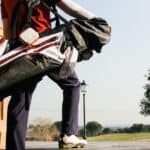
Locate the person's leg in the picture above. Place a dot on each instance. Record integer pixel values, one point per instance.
(17, 117)
(17, 121)
(71, 94)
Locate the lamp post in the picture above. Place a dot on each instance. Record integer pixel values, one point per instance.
(83, 86)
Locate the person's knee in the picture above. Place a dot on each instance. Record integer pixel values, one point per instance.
(71, 83)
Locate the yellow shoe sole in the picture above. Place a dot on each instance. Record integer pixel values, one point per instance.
(69, 146)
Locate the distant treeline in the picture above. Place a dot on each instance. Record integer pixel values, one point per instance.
(135, 128)
(45, 130)
(98, 129)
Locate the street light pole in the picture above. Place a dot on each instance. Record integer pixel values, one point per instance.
(84, 117)
(83, 90)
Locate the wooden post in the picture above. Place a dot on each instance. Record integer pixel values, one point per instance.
(3, 121)
(3, 106)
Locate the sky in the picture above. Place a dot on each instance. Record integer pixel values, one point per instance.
(115, 77)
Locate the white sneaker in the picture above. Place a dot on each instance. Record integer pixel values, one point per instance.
(72, 142)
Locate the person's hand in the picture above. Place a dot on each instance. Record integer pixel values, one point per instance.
(33, 3)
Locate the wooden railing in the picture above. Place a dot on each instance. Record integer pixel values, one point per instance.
(3, 119)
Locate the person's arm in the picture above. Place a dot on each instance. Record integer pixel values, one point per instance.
(6, 25)
(75, 10)
(6, 29)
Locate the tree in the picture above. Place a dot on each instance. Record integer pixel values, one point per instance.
(107, 130)
(136, 128)
(81, 132)
(93, 128)
(145, 102)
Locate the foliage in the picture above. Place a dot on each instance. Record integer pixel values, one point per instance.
(93, 128)
(57, 124)
(107, 130)
(45, 130)
(81, 132)
(135, 128)
(145, 102)
(42, 130)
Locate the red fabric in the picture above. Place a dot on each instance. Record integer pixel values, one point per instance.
(40, 17)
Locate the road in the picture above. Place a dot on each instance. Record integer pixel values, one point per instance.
(140, 145)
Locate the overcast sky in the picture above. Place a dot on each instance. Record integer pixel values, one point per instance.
(115, 77)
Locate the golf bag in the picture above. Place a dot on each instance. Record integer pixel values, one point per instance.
(21, 65)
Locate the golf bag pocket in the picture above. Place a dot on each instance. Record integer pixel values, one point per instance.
(21, 65)
(29, 36)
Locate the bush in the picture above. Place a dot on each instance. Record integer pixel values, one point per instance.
(107, 130)
(93, 128)
(42, 131)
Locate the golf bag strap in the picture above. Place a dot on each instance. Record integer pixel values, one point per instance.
(14, 18)
(51, 8)
(28, 20)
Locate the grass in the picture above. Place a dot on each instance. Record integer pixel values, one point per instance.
(122, 137)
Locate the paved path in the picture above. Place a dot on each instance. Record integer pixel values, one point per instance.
(93, 146)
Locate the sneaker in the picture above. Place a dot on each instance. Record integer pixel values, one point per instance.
(71, 142)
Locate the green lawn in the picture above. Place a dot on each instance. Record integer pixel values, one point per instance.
(121, 137)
